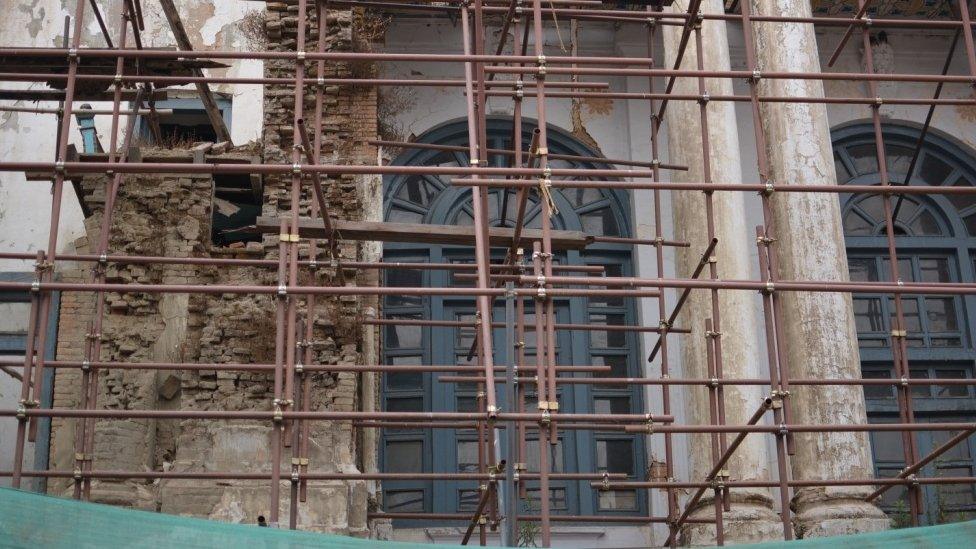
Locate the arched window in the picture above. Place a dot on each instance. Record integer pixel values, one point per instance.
(428, 199)
(933, 235)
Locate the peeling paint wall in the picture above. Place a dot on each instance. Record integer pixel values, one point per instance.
(25, 206)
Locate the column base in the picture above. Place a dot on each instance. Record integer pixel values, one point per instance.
(750, 520)
(835, 511)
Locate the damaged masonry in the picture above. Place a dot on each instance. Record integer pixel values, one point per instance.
(518, 272)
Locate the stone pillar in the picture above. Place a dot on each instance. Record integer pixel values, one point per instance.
(751, 518)
(819, 327)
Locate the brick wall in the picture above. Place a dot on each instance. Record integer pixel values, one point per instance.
(170, 215)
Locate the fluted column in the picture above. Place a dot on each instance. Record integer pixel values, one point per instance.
(751, 517)
(818, 327)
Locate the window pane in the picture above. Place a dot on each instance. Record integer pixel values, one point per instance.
(599, 222)
(951, 390)
(933, 171)
(405, 380)
(962, 201)
(941, 313)
(466, 404)
(615, 456)
(898, 158)
(603, 338)
(404, 501)
(895, 497)
(582, 197)
(409, 278)
(873, 207)
(418, 190)
(878, 391)
(467, 456)
(887, 446)
(910, 311)
(464, 335)
(403, 456)
(855, 225)
(555, 454)
(468, 499)
(842, 172)
(956, 453)
(403, 337)
(905, 271)
(863, 269)
(611, 405)
(867, 315)
(411, 404)
(864, 157)
(934, 270)
(399, 214)
(617, 500)
(557, 499)
(925, 225)
(923, 391)
(609, 271)
(617, 364)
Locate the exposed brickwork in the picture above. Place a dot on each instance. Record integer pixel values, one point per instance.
(170, 216)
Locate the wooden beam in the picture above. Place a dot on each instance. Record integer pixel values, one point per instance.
(421, 233)
(80, 95)
(206, 96)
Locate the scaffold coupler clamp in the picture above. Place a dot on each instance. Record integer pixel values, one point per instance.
(769, 288)
(541, 62)
(664, 326)
(913, 480)
(546, 418)
(699, 18)
(768, 188)
(22, 411)
(278, 415)
(492, 412)
(605, 486)
(649, 423)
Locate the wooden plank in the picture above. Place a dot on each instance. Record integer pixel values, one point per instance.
(421, 233)
(206, 96)
(80, 95)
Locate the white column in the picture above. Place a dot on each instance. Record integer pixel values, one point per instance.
(819, 332)
(751, 518)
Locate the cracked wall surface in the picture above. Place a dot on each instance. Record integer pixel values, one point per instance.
(170, 215)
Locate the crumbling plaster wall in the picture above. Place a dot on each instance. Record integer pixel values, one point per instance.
(211, 25)
(231, 329)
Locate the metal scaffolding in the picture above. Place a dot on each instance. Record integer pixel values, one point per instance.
(526, 275)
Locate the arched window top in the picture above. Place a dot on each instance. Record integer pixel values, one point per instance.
(432, 199)
(941, 162)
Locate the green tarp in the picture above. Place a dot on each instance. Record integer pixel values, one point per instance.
(38, 521)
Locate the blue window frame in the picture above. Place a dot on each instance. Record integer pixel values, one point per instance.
(188, 121)
(15, 308)
(934, 240)
(428, 199)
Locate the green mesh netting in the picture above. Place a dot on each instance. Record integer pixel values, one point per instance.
(38, 521)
